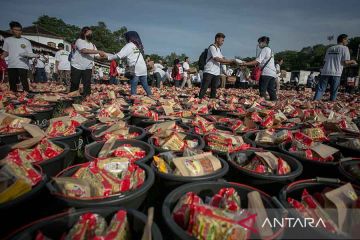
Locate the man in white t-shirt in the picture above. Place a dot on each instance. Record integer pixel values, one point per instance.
(159, 74)
(62, 65)
(212, 69)
(278, 73)
(336, 58)
(186, 77)
(265, 60)
(18, 50)
(40, 74)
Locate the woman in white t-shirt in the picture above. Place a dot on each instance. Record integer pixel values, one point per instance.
(186, 77)
(82, 61)
(265, 59)
(133, 52)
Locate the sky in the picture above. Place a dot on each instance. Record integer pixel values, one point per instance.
(189, 26)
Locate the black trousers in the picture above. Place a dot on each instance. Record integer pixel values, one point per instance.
(177, 83)
(17, 75)
(209, 79)
(84, 76)
(267, 84)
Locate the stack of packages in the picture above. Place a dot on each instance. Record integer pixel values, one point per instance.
(81, 111)
(124, 151)
(143, 111)
(236, 125)
(37, 102)
(225, 143)
(173, 141)
(19, 109)
(199, 109)
(221, 216)
(120, 130)
(17, 177)
(93, 226)
(309, 145)
(10, 124)
(35, 150)
(169, 126)
(47, 87)
(338, 209)
(62, 126)
(202, 126)
(262, 163)
(110, 113)
(276, 120)
(271, 137)
(191, 163)
(102, 178)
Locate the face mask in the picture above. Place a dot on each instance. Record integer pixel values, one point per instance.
(89, 37)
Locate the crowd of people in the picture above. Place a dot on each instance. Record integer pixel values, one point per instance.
(131, 63)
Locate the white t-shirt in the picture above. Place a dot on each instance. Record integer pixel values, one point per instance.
(131, 53)
(101, 73)
(15, 47)
(334, 58)
(62, 57)
(47, 68)
(263, 57)
(40, 62)
(212, 66)
(240, 74)
(120, 70)
(278, 70)
(83, 61)
(158, 68)
(186, 68)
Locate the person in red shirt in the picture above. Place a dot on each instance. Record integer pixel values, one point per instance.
(3, 67)
(113, 72)
(177, 73)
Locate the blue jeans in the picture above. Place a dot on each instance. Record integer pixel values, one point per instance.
(334, 82)
(113, 80)
(40, 75)
(143, 80)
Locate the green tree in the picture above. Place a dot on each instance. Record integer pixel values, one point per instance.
(103, 37)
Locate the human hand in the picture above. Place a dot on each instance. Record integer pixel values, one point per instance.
(102, 54)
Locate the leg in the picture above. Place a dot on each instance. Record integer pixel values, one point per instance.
(205, 84)
(23, 78)
(13, 78)
(277, 85)
(157, 79)
(334, 87)
(44, 76)
(75, 79)
(134, 83)
(37, 75)
(189, 82)
(177, 83)
(144, 83)
(183, 81)
(263, 85)
(86, 80)
(214, 84)
(271, 89)
(321, 87)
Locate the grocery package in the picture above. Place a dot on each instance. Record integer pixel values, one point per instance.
(12, 124)
(173, 141)
(224, 142)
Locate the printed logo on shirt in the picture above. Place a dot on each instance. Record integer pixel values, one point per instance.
(335, 51)
(23, 46)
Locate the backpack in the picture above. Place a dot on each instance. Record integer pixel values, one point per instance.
(203, 58)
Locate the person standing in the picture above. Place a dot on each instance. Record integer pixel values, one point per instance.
(62, 65)
(159, 74)
(267, 64)
(40, 74)
(18, 50)
(336, 58)
(177, 73)
(133, 52)
(113, 72)
(278, 73)
(186, 75)
(82, 61)
(242, 78)
(212, 69)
